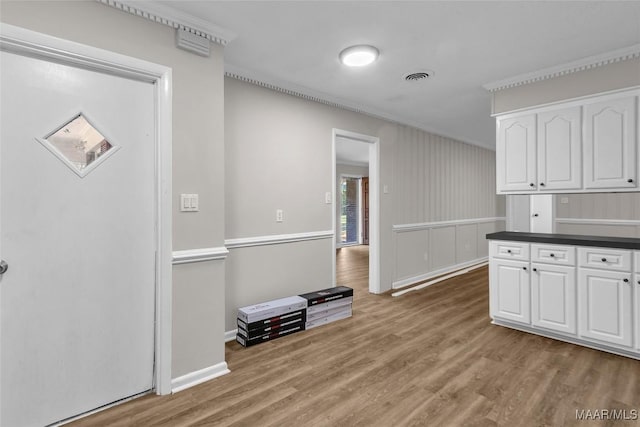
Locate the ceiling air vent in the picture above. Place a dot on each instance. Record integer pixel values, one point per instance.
(420, 75)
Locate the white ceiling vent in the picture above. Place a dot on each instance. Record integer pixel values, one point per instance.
(192, 42)
(418, 76)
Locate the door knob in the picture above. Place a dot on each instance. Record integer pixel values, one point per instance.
(3, 267)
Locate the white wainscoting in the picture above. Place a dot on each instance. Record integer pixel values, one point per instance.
(598, 227)
(245, 242)
(429, 249)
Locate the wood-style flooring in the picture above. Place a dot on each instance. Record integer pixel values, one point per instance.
(427, 358)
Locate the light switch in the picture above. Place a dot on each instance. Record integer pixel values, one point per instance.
(385, 189)
(327, 197)
(279, 215)
(189, 203)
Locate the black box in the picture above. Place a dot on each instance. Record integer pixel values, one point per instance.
(299, 320)
(268, 337)
(276, 320)
(326, 295)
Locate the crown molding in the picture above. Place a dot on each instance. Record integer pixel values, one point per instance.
(590, 62)
(288, 88)
(173, 18)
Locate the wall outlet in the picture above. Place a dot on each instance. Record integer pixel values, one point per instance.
(564, 200)
(279, 215)
(385, 189)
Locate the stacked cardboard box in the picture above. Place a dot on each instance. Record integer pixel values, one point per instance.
(328, 305)
(269, 320)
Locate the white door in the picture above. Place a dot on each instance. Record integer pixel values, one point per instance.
(77, 230)
(560, 149)
(509, 297)
(604, 306)
(542, 213)
(553, 297)
(610, 144)
(516, 154)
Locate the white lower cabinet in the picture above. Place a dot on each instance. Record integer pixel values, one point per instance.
(553, 297)
(605, 306)
(510, 297)
(636, 285)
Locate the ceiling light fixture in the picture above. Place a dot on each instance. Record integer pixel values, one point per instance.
(359, 56)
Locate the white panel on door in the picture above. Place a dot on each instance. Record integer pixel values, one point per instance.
(510, 298)
(78, 301)
(553, 297)
(560, 149)
(605, 304)
(610, 144)
(516, 154)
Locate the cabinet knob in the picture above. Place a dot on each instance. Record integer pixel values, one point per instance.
(535, 269)
(630, 180)
(551, 255)
(532, 185)
(625, 280)
(604, 260)
(508, 251)
(535, 215)
(638, 282)
(542, 184)
(524, 268)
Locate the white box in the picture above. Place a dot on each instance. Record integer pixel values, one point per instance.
(342, 314)
(253, 313)
(331, 304)
(328, 312)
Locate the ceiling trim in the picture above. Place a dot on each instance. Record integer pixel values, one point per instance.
(590, 62)
(237, 73)
(173, 18)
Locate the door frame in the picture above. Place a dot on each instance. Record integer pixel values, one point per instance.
(374, 204)
(42, 46)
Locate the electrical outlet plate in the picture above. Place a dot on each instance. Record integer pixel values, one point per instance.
(189, 203)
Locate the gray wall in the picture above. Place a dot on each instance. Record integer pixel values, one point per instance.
(278, 156)
(198, 155)
(600, 214)
(618, 75)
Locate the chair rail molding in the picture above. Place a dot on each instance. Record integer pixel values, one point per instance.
(276, 239)
(399, 228)
(189, 256)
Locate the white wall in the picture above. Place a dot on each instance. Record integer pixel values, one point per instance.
(599, 214)
(279, 157)
(198, 155)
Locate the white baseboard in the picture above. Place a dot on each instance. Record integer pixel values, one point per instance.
(230, 335)
(426, 276)
(194, 378)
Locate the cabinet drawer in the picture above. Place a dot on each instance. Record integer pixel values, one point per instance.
(553, 254)
(510, 250)
(605, 259)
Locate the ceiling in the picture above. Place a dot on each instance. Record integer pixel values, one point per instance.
(295, 45)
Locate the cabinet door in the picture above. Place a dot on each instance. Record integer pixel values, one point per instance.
(509, 290)
(604, 306)
(610, 144)
(559, 142)
(516, 154)
(553, 297)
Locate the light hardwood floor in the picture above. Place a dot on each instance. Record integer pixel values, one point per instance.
(428, 358)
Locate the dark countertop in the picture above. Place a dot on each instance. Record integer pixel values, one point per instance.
(568, 239)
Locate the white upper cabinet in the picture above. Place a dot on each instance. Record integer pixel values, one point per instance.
(516, 154)
(610, 144)
(559, 147)
(585, 145)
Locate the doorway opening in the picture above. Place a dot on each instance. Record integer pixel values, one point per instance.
(356, 213)
(353, 220)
